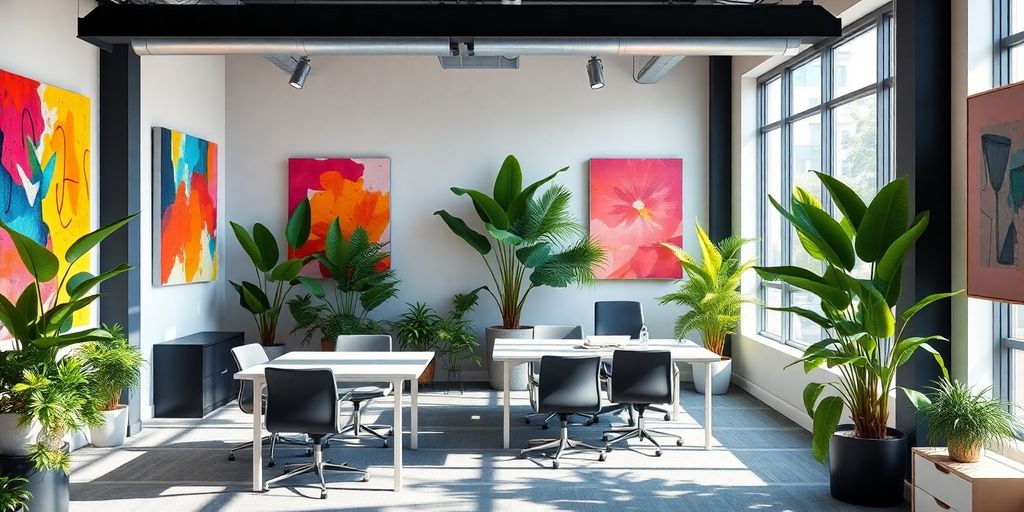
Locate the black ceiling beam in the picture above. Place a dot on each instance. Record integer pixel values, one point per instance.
(112, 24)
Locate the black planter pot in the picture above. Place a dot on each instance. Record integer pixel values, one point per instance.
(50, 489)
(868, 472)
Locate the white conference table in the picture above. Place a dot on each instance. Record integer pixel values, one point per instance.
(512, 352)
(393, 367)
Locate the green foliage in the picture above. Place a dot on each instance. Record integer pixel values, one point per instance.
(14, 493)
(115, 366)
(711, 290)
(864, 340)
(533, 233)
(360, 285)
(264, 298)
(955, 413)
(415, 328)
(451, 336)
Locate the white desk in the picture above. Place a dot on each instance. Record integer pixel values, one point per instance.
(393, 367)
(516, 351)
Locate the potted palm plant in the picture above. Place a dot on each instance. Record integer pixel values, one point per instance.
(115, 367)
(711, 291)
(14, 494)
(264, 298)
(358, 286)
(414, 331)
(966, 421)
(524, 234)
(454, 337)
(864, 341)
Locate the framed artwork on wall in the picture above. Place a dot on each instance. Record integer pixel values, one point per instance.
(45, 181)
(995, 194)
(635, 205)
(185, 193)
(356, 191)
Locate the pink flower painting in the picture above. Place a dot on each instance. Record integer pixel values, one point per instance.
(635, 205)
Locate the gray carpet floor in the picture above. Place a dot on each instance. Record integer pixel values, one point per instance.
(760, 462)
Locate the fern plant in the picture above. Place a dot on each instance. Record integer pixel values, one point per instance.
(710, 290)
(115, 366)
(14, 494)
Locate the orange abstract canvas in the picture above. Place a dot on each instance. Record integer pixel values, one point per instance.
(635, 205)
(356, 191)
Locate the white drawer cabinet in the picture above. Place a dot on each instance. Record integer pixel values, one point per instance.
(993, 484)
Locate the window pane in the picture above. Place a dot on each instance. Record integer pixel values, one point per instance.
(806, 156)
(855, 63)
(773, 319)
(773, 101)
(807, 85)
(1017, 321)
(804, 331)
(856, 151)
(1017, 63)
(773, 226)
(1017, 381)
(1016, 16)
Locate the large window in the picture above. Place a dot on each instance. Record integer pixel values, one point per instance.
(829, 110)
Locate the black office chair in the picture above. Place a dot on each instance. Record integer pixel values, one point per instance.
(568, 385)
(247, 356)
(619, 318)
(549, 332)
(641, 378)
(305, 400)
(362, 393)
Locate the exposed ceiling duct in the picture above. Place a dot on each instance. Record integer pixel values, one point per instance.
(655, 68)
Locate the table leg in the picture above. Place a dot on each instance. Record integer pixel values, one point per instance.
(396, 439)
(707, 406)
(414, 392)
(257, 438)
(505, 370)
(675, 391)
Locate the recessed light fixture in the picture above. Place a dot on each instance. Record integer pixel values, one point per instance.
(302, 69)
(595, 71)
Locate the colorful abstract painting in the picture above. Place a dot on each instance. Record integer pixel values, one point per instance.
(635, 205)
(356, 191)
(995, 194)
(185, 188)
(45, 153)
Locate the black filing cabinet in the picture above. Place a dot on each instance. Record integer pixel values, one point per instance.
(194, 375)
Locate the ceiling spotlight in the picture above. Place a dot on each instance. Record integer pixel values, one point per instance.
(595, 70)
(302, 69)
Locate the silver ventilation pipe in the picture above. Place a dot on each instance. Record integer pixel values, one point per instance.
(430, 46)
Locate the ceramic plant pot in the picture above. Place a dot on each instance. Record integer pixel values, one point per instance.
(14, 439)
(721, 376)
(518, 377)
(113, 430)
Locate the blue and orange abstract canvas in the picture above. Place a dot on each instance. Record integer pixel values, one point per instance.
(45, 154)
(185, 187)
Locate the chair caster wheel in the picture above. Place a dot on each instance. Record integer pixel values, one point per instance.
(271, 464)
(522, 455)
(527, 421)
(554, 464)
(668, 417)
(323, 495)
(366, 478)
(545, 426)
(391, 433)
(287, 469)
(326, 446)
(602, 457)
(309, 452)
(657, 453)
(231, 456)
(384, 444)
(604, 437)
(679, 442)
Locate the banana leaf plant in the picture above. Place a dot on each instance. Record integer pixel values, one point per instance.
(526, 233)
(864, 339)
(275, 279)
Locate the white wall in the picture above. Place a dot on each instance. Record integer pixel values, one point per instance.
(185, 94)
(453, 128)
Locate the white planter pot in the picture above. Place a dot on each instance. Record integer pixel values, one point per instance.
(517, 374)
(113, 430)
(275, 351)
(721, 375)
(14, 439)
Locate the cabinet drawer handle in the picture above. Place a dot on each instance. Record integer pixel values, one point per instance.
(941, 505)
(224, 372)
(940, 469)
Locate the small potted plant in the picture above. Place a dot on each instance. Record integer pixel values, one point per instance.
(454, 337)
(115, 366)
(711, 291)
(14, 494)
(415, 331)
(965, 420)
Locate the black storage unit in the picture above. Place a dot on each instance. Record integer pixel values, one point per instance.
(194, 375)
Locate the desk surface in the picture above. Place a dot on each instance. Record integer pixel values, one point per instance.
(350, 365)
(535, 349)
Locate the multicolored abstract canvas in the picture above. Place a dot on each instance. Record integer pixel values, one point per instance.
(995, 194)
(635, 205)
(356, 191)
(185, 188)
(45, 153)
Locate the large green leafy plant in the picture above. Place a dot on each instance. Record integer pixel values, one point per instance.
(528, 233)
(264, 298)
(14, 494)
(710, 289)
(115, 366)
(359, 285)
(862, 256)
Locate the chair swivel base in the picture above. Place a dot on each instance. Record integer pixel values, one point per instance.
(319, 466)
(560, 445)
(588, 419)
(354, 430)
(641, 432)
(273, 439)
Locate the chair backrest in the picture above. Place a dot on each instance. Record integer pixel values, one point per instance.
(618, 318)
(642, 377)
(363, 343)
(557, 332)
(569, 384)
(302, 400)
(247, 356)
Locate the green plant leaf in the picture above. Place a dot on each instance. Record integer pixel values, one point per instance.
(256, 300)
(808, 314)
(534, 255)
(12, 319)
(878, 319)
(503, 236)
(905, 348)
(828, 236)
(39, 261)
(28, 301)
(248, 244)
(491, 211)
(920, 400)
(509, 182)
(884, 221)
(808, 234)
(826, 419)
(925, 302)
(66, 340)
(711, 259)
(85, 244)
(807, 280)
(519, 203)
(296, 232)
(313, 286)
(287, 270)
(267, 245)
(471, 237)
(335, 246)
(83, 282)
(892, 261)
(845, 198)
(811, 393)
